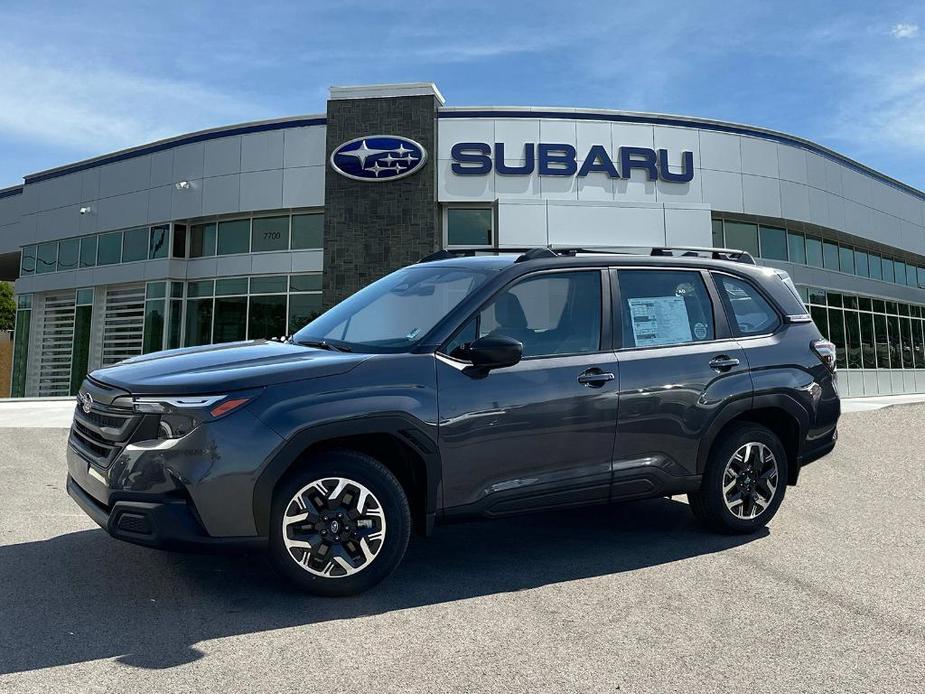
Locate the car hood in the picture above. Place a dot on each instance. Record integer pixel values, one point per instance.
(226, 367)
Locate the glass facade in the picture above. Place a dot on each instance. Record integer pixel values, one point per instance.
(774, 243)
(234, 236)
(201, 312)
(80, 353)
(869, 333)
(21, 345)
(469, 226)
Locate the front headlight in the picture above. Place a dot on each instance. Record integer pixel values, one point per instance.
(178, 416)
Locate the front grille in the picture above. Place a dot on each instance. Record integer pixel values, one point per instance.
(101, 434)
(104, 420)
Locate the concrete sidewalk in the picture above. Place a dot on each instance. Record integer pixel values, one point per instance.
(43, 413)
(56, 413)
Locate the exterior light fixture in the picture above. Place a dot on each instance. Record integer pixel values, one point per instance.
(183, 185)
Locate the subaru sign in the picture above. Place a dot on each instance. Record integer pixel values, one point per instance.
(378, 158)
(555, 159)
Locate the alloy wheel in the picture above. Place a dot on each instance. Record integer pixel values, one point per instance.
(750, 480)
(334, 527)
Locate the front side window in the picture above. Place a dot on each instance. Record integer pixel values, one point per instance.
(751, 314)
(664, 307)
(395, 312)
(550, 314)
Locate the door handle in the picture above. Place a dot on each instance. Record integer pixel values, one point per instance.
(594, 378)
(723, 363)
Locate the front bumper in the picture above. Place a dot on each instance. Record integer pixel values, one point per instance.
(197, 490)
(165, 524)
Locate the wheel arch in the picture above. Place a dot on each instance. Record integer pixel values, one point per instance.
(781, 414)
(402, 444)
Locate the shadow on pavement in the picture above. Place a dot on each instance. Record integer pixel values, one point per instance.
(84, 596)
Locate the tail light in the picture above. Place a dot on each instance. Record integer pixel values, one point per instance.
(825, 350)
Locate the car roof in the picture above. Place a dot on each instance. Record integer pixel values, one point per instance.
(499, 260)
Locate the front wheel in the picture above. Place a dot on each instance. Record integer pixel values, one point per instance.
(744, 481)
(340, 524)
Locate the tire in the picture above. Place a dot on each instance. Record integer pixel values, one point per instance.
(336, 555)
(761, 493)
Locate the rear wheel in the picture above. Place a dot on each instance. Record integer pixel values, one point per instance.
(340, 524)
(744, 481)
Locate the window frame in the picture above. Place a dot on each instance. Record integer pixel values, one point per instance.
(606, 344)
(721, 331)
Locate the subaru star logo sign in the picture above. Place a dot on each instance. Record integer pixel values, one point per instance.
(378, 158)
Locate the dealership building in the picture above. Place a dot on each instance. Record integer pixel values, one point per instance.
(248, 231)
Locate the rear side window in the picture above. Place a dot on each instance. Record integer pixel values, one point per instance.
(750, 313)
(664, 307)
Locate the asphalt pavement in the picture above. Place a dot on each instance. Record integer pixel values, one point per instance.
(629, 598)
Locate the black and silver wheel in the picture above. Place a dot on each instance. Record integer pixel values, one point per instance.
(340, 524)
(744, 480)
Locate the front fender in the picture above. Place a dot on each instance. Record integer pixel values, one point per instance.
(417, 435)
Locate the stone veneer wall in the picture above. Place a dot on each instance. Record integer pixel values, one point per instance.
(372, 228)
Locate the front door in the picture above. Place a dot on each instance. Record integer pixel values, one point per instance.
(678, 367)
(540, 433)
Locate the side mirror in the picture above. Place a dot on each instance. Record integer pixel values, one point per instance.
(495, 352)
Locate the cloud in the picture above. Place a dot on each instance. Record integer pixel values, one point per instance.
(95, 109)
(905, 31)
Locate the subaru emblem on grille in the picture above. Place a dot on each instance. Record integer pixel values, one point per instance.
(86, 402)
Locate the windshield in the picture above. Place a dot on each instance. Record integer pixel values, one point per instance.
(393, 313)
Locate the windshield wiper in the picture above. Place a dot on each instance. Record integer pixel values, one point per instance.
(323, 344)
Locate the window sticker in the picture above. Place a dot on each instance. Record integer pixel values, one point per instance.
(700, 331)
(659, 320)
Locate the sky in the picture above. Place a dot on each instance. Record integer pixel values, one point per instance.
(82, 79)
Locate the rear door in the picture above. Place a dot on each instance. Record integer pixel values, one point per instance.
(679, 365)
(540, 433)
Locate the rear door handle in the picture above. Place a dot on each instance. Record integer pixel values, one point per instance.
(723, 363)
(594, 378)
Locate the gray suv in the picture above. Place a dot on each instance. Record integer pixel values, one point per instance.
(470, 384)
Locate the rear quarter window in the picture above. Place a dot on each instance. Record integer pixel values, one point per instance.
(749, 312)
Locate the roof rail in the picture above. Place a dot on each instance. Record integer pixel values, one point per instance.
(733, 254)
(534, 253)
(551, 251)
(469, 251)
